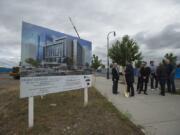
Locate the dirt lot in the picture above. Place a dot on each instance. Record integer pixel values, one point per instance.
(68, 117)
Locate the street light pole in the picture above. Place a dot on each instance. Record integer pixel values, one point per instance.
(107, 51)
(107, 57)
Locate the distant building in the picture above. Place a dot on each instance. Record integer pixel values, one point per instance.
(63, 51)
(77, 54)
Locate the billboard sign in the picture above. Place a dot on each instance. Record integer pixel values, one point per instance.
(52, 61)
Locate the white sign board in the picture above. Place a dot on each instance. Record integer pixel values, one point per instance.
(52, 62)
(34, 86)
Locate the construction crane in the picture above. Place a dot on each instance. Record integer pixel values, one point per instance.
(74, 27)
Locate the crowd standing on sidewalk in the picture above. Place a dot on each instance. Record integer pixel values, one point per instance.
(163, 74)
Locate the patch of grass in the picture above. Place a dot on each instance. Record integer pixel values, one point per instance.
(67, 115)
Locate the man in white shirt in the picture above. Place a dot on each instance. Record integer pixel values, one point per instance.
(153, 75)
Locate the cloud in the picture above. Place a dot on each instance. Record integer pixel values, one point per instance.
(93, 19)
(169, 37)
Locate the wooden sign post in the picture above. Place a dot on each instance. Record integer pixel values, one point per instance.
(30, 112)
(85, 96)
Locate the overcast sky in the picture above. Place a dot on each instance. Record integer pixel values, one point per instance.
(155, 24)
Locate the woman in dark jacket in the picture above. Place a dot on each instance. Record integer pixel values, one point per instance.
(129, 75)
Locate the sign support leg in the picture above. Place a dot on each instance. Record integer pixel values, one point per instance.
(30, 112)
(85, 96)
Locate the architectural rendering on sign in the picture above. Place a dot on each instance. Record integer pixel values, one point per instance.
(45, 52)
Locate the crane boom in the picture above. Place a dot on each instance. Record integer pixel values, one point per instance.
(74, 27)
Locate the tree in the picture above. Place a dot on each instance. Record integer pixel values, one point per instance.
(95, 63)
(171, 57)
(32, 62)
(138, 63)
(125, 51)
(102, 66)
(69, 61)
(87, 65)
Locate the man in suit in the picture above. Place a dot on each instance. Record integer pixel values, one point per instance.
(162, 77)
(115, 78)
(129, 75)
(145, 72)
(139, 78)
(170, 69)
(153, 76)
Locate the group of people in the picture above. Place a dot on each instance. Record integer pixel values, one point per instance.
(162, 75)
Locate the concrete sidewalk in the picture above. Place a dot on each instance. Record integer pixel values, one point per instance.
(157, 114)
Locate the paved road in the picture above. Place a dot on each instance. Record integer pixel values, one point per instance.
(159, 115)
(4, 76)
